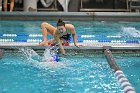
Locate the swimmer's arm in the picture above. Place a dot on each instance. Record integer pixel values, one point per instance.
(51, 40)
(74, 35)
(58, 41)
(74, 39)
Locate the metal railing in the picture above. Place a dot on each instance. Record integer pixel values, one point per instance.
(102, 9)
(135, 5)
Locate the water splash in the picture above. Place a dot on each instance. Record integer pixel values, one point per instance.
(50, 54)
(131, 31)
(47, 56)
(30, 54)
(45, 62)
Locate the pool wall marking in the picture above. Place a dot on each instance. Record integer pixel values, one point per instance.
(126, 86)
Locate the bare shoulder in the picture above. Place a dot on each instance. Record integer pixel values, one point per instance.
(69, 26)
(44, 23)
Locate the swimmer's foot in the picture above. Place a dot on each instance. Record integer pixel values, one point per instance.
(43, 44)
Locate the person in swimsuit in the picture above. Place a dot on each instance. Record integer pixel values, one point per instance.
(65, 39)
(61, 34)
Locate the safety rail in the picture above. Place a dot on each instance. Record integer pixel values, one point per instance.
(105, 9)
(135, 4)
(125, 84)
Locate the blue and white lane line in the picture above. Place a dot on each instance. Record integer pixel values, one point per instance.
(84, 41)
(21, 35)
(26, 40)
(82, 36)
(112, 41)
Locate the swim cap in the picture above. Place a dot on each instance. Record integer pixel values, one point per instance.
(55, 57)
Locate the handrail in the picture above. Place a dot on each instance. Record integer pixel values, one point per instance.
(104, 9)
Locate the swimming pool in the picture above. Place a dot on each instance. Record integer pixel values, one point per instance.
(86, 73)
(29, 31)
(130, 63)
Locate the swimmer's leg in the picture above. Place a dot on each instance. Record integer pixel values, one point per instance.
(48, 43)
(46, 29)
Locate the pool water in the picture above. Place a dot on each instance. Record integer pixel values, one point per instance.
(131, 68)
(101, 30)
(84, 73)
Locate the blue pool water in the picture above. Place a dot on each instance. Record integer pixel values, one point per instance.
(126, 30)
(84, 73)
(131, 68)
(80, 73)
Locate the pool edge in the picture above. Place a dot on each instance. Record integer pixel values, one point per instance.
(71, 16)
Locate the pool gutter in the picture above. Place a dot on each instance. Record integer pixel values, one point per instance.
(71, 16)
(85, 46)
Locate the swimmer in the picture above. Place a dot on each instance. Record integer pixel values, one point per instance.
(61, 34)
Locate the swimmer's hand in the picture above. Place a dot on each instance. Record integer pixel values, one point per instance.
(63, 54)
(43, 43)
(77, 45)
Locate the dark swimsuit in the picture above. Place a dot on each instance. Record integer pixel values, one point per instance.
(66, 37)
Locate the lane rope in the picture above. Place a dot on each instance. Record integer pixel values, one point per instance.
(84, 41)
(82, 36)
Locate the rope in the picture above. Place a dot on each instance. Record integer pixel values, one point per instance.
(133, 40)
(126, 86)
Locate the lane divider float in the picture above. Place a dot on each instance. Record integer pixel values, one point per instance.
(125, 84)
(82, 36)
(84, 41)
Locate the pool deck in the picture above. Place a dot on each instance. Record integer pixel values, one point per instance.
(71, 16)
(83, 46)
